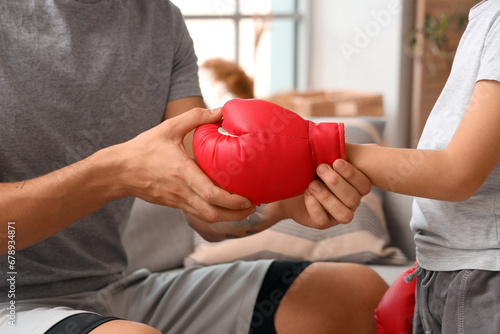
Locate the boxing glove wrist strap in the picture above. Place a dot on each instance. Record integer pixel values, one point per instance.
(327, 142)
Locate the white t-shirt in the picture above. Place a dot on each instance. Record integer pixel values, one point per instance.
(463, 235)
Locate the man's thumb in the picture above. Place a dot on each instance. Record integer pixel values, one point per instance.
(193, 118)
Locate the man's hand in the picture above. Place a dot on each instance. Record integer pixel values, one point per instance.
(157, 168)
(322, 205)
(331, 202)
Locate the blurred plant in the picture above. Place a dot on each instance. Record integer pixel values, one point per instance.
(233, 78)
(436, 30)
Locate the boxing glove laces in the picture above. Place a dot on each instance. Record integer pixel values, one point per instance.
(265, 152)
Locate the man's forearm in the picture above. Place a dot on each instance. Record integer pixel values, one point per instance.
(153, 166)
(43, 206)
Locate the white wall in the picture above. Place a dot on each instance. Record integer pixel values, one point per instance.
(357, 44)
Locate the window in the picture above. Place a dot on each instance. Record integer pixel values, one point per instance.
(265, 37)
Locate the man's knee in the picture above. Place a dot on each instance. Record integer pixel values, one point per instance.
(123, 327)
(338, 297)
(338, 275)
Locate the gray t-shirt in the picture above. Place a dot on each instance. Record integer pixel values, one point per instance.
(463, 235)
(75, 77)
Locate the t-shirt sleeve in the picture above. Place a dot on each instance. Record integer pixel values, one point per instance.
(184, 77)
(490, 59)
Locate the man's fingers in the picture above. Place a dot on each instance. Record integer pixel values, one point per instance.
(212, 213)
(212, 194)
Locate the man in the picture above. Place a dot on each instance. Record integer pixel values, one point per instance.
(97, 99)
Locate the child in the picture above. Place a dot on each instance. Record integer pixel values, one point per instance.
(455, 176)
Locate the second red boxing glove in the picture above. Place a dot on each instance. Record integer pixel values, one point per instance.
(394, 313)
(265, 152)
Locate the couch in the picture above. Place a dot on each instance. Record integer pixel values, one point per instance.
(159, 239)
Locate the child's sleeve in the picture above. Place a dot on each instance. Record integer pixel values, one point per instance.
(490, 59)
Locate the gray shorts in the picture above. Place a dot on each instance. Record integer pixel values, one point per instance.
(457, 302)
(217, 299)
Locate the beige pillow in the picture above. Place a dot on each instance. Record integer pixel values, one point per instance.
(364, 240)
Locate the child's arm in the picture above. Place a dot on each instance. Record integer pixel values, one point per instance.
(452, 174)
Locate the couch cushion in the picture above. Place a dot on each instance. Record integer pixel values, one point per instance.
(157, 237)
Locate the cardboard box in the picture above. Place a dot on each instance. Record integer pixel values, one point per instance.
(331, 103)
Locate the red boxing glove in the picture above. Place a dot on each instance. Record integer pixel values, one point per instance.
(394, 313)
(265, 152)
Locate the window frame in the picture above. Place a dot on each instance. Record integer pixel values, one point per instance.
(300, 17)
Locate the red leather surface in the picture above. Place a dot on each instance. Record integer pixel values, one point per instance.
(273, 153)
(394, 313)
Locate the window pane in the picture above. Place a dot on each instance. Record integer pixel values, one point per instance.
(212, 38)
(255, 53)
(284, 54)
(206, 7)
(249, 7)
(272, 62)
